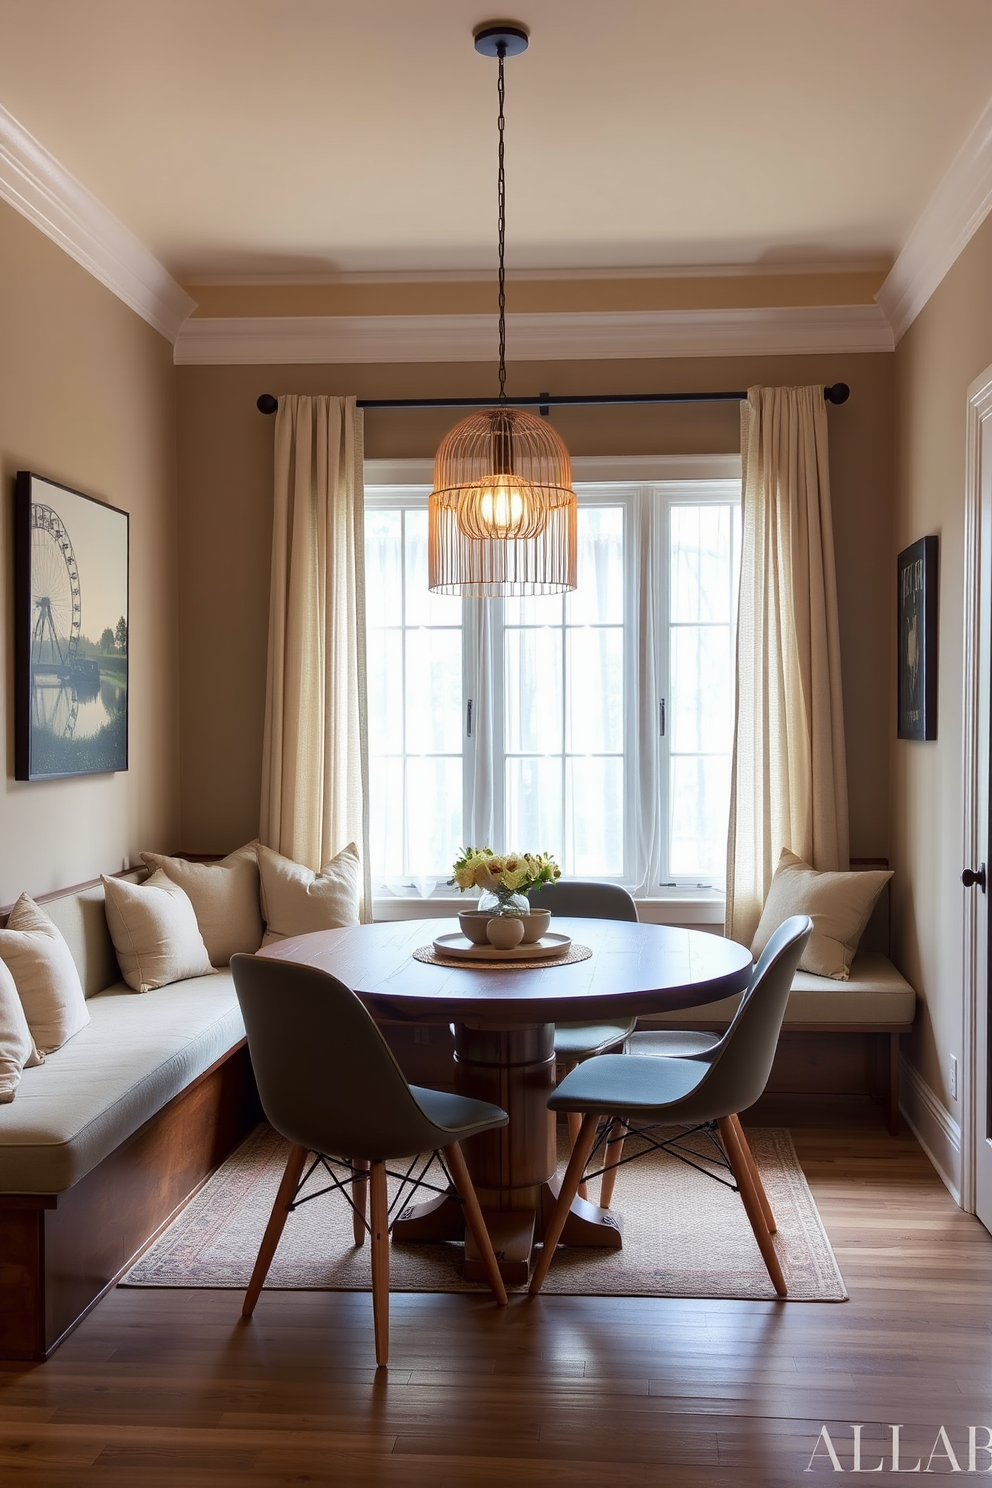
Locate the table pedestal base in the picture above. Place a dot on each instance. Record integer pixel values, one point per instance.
(514, 1168)
(512, 1231)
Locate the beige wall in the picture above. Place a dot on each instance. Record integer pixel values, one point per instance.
(944, 351)
(477, 295)
(87, 398)
(225, 479)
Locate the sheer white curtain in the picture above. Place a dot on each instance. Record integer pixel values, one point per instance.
(549, 686)
(646, 854)
(789, 781)
(315, 759)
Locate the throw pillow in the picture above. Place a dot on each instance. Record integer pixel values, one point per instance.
(154, 931)
(295, 900)
(45, 976)
(17, 1048)
(839, 905)
(224, 897)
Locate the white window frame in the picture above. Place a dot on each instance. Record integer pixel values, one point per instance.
(609, 479)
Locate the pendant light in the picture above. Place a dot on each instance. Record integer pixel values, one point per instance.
(502, 514)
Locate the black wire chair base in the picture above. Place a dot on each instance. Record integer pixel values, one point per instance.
(712, 1162)
(410, 1183)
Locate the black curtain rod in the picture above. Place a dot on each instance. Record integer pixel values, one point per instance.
(839, 392)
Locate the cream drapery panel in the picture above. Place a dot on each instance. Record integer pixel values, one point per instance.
(315, 752)
(789, 778)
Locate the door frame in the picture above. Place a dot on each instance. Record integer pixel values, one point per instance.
(975, 771)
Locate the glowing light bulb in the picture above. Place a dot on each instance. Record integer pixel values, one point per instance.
(501, 509)
(504, 508)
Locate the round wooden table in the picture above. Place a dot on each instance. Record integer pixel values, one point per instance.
(504, 1020)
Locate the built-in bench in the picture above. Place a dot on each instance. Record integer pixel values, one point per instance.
(111, 1135)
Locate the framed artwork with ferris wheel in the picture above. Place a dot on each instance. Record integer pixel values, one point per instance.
(70, 631)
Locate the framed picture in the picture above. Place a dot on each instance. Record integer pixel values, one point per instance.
(70, 632)
(917, 641)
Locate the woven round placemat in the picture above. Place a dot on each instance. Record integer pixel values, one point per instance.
(574, 953)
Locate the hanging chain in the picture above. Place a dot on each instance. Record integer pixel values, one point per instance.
(501, 220)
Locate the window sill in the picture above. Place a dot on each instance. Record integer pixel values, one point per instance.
(688, 907)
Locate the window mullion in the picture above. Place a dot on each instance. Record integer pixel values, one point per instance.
(663, 560)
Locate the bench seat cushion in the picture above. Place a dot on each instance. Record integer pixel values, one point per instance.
(876, 993)
(134, 1055)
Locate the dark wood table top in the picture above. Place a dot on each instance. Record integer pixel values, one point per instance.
(634, 969)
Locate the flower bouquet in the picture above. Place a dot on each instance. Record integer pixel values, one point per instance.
(505, 879)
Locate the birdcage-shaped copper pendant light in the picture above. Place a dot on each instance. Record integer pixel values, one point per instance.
(502, 514)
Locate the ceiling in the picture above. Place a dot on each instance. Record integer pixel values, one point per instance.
(313, 137)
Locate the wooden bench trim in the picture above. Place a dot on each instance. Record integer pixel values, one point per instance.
(62, 1252)
(893, 1031)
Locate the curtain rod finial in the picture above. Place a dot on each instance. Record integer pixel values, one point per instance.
(838, 393)
(267, 403)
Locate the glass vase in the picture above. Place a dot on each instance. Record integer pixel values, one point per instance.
(503, 902)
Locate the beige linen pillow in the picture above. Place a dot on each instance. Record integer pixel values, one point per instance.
(17, 1048)
(45, 976)
(224, 897)
(839, 905)
(154, 931)
(295, 900)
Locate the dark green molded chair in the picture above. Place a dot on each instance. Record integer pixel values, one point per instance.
(705, 1090)
(329, 1084)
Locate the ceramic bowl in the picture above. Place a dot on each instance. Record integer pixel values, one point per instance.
(535, 925)
(473, 924)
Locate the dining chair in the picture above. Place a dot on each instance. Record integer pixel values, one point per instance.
(683, 1043)
(703, 1092)
(329, 1083)
(586, 900)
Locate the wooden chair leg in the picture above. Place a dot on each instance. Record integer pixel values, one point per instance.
(745, 1146)
(473, 1217)
(893, 1090)
(752, 1205)
(569, 1188)
(614, 1152)
(574, 1127)
(574, 1120)
(360, 1199)
(379, 1221)
(273, 1230)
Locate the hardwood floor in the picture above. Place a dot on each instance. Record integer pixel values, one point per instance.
(172, 1390)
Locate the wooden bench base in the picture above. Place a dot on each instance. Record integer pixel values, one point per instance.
(59, 1253)
(885, 1071)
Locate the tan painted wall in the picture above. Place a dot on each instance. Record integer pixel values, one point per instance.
(225, 480)
(87, 398)
(943, 352)
(477, 295)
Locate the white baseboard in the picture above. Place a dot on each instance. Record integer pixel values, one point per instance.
(933, 1126)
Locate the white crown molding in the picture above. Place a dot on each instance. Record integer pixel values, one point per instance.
(933, 1126)
(38, 187)
(950, 219)
(775, 330)
(593, 469)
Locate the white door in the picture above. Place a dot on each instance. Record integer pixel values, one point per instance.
(977, 1061)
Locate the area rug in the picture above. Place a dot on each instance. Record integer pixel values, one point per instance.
(684, 1235)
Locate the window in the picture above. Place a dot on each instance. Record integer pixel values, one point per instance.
(595, 725)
